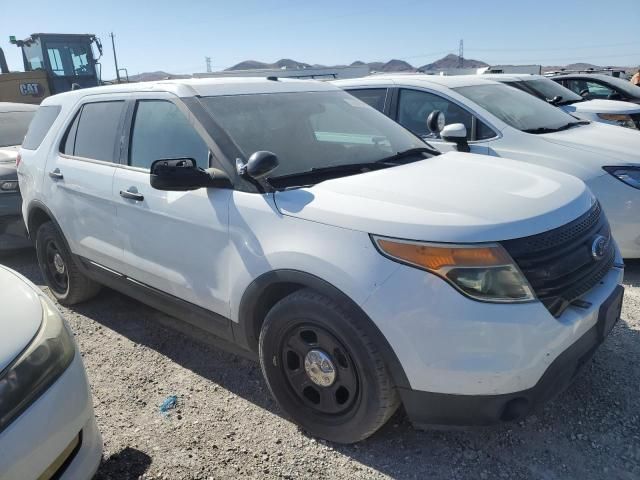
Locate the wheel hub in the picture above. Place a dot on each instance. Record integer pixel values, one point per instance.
(58, 263)
(320, 368)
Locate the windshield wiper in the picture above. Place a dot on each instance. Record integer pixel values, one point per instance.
(408, 153)
(540, 130)
(316, 174)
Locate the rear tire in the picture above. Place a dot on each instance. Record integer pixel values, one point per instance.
(324, 370)
(60, 272)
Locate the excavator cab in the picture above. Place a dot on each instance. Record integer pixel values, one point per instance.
(53, 63)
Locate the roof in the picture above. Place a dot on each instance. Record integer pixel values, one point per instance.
(582, 75)
(511, 77)
(205, 87)
(417, 80)
(17, 107)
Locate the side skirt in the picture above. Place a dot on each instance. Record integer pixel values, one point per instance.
(202, 318)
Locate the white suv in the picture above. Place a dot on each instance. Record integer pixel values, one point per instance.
(362, 267)
(486, 117)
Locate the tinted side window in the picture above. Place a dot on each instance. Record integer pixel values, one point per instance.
(97, 134)
(373, 97)
(160, 131)
(415, 106)
(483, 132)
(590, 89)
(40, 125)
(70, 137)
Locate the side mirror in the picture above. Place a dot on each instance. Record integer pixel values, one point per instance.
(182, 174)
(436, 122)
(555, 100)
(456, 133)
(614, 96)
(584, 93)
(261, 164)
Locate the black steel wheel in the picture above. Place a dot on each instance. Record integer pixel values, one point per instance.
(319, 369)
(323, 369)
(61, 274)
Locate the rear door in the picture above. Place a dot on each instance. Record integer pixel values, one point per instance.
(414, 106)
(175, 242)
(78, 179)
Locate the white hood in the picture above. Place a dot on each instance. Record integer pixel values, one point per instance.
(455, 197)
(21, 315)
(602, 106)
(614, 145)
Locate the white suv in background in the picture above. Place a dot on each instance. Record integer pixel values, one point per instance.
(471, 113)
(613, 112)
(361, 266)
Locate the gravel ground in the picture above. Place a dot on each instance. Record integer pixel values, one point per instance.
(226, 424)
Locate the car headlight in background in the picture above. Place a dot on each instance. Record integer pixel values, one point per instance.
(628, 175)
(482, 272)
(619, 119)
(8, 185)
(38, 366)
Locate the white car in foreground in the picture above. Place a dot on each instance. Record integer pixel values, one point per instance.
(613, 112)
(362, 267)
(487, 117)
(47, 426)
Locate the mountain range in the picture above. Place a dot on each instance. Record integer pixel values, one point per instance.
(394, 65)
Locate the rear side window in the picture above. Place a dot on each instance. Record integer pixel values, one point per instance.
(94, 132)
(40, 125)
(373, 97)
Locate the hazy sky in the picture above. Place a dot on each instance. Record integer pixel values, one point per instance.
(175, 36)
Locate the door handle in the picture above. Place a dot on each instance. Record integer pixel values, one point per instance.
(131, 195)
(56, 174)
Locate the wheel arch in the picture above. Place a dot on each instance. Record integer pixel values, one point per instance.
(271, 287)
(37, 214)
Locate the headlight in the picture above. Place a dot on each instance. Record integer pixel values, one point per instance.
(628, 175)
(8, 185)
(482, 272)
(619, 119)
(38, 366)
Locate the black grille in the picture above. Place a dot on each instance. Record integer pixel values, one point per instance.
(559, 264)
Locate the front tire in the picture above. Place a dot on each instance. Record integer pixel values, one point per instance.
(60, 272)
(324, 370)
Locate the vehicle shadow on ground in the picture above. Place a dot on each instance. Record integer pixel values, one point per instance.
(632, 273)
(397, 449)
(129, 463)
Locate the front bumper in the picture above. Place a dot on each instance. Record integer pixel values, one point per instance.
(434, 409)
(465, 360)
(39, 438)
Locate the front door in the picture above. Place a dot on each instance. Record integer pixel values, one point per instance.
(175, 242)
(414, 106)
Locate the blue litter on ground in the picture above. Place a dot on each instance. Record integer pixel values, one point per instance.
(169, 403)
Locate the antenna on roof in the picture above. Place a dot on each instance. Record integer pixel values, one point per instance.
(273, 79)
(461, 54)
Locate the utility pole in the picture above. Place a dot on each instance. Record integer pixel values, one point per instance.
(208, 61)
(461, 54)
(115, 58)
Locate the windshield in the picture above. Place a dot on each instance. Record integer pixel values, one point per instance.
(517, 108)
(13, 127)
(309, 130)
(548, 89)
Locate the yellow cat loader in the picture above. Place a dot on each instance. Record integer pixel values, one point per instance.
(53, 63)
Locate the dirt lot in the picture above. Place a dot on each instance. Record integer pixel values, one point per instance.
(226, 425)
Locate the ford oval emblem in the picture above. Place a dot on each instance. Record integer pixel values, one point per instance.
(599, 247)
